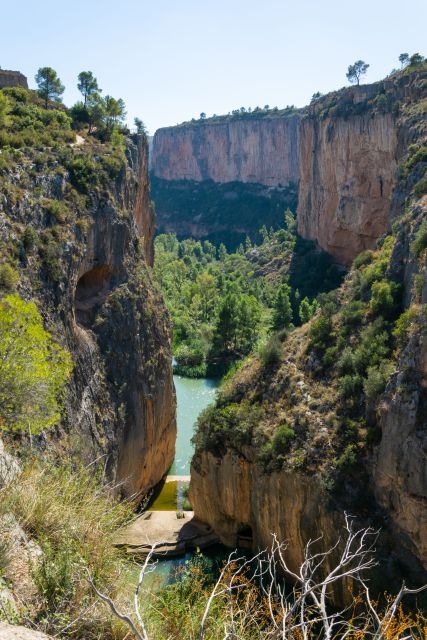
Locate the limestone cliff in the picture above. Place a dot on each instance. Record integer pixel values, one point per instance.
(88, 269)
(263, 151)
(348, 169)
(341, 153)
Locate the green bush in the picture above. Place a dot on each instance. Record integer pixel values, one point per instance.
(347, 459)
(363, 259)
(282, 439)
(321, 333)
(29, 238)
(350, 386)
(352, 316)
(384, 298)
(376, 380)
(51, 252)
(9, 277)
(83, 173)
(57, 209)
(420, 242)
(271, 353)
(403, 325)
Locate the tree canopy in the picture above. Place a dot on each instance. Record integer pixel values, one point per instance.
(49, 85)
(356, 70)
(33, 369)
(87, 85)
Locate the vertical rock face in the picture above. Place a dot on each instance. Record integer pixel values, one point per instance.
(264, 151)
(100, 302)
(123, 400)
(400, 464)
(341, 151)
(347, 175)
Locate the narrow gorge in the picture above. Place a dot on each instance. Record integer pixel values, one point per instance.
(353, 158)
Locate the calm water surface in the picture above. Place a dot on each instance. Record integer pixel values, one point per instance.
(192, 397)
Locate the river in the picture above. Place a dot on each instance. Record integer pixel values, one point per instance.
(192, 396)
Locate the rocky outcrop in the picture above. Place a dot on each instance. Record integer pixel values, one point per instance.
(17, 632)
(347, 176)
(12, 79)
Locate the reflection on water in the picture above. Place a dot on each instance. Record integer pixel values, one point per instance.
(192, 397)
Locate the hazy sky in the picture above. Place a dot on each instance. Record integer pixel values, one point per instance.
(170, 60)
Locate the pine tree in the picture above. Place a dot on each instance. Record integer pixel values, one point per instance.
(49, 85)
(282, 310)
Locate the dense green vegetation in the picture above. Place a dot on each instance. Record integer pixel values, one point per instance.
(225, 213)
(223, 304)
(33, 369)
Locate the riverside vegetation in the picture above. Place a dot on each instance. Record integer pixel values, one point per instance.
(225, 304)
(58, 520)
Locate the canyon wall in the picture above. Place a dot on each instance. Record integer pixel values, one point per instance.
(261, 151)
(120, 339)
(347, 176)
(340, 154)
(89, 274)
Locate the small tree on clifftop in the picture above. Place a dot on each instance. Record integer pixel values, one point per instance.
(49, 85)
(87, 85)
(404, 59)
(356, 70)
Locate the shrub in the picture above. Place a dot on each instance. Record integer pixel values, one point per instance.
(383, 298)
(29, 238)
(373, 346)
(282, 439)
(420, 242)
(51, 254)
(58, 210)
(352, 316)
(403, 325)
(233, 423)
(364, 258)
(9, 277)
(348, 458)
(350, 386)
(271, 353)
(83, 173)
(321, 332)
(377, 379)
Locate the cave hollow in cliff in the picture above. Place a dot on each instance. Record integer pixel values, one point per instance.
(91, 291)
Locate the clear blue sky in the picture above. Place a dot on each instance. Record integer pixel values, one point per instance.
(170, 60)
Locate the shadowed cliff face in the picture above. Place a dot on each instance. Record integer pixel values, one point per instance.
(123, 399)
